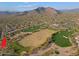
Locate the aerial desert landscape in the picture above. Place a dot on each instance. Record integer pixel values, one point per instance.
(39, 29)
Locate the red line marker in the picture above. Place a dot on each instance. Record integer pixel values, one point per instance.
(3, 44)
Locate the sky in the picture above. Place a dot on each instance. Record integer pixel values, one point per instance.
(25, 6)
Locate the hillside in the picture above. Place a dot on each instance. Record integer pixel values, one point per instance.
(48, 16)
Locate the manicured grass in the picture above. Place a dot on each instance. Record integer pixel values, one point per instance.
(33, 28)
(17, 47)
(62, 38)
(0, 38)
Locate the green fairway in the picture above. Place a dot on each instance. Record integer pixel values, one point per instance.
(18, 48)
(33, 28)
(62, 38)
(0, 37)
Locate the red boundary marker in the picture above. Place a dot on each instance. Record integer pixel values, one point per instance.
(3, 43)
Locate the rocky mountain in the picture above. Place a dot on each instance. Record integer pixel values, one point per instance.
(46, 10)
(41, 10)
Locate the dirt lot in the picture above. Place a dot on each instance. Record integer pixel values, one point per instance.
(37, 38)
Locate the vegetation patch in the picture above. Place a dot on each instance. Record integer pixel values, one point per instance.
(34, 28)
(0, 37)
(17, 47)
(62, 38)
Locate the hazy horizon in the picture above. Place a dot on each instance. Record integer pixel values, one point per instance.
(25, 6)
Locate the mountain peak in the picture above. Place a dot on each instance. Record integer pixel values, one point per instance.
(46, 10)
(41, 10)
